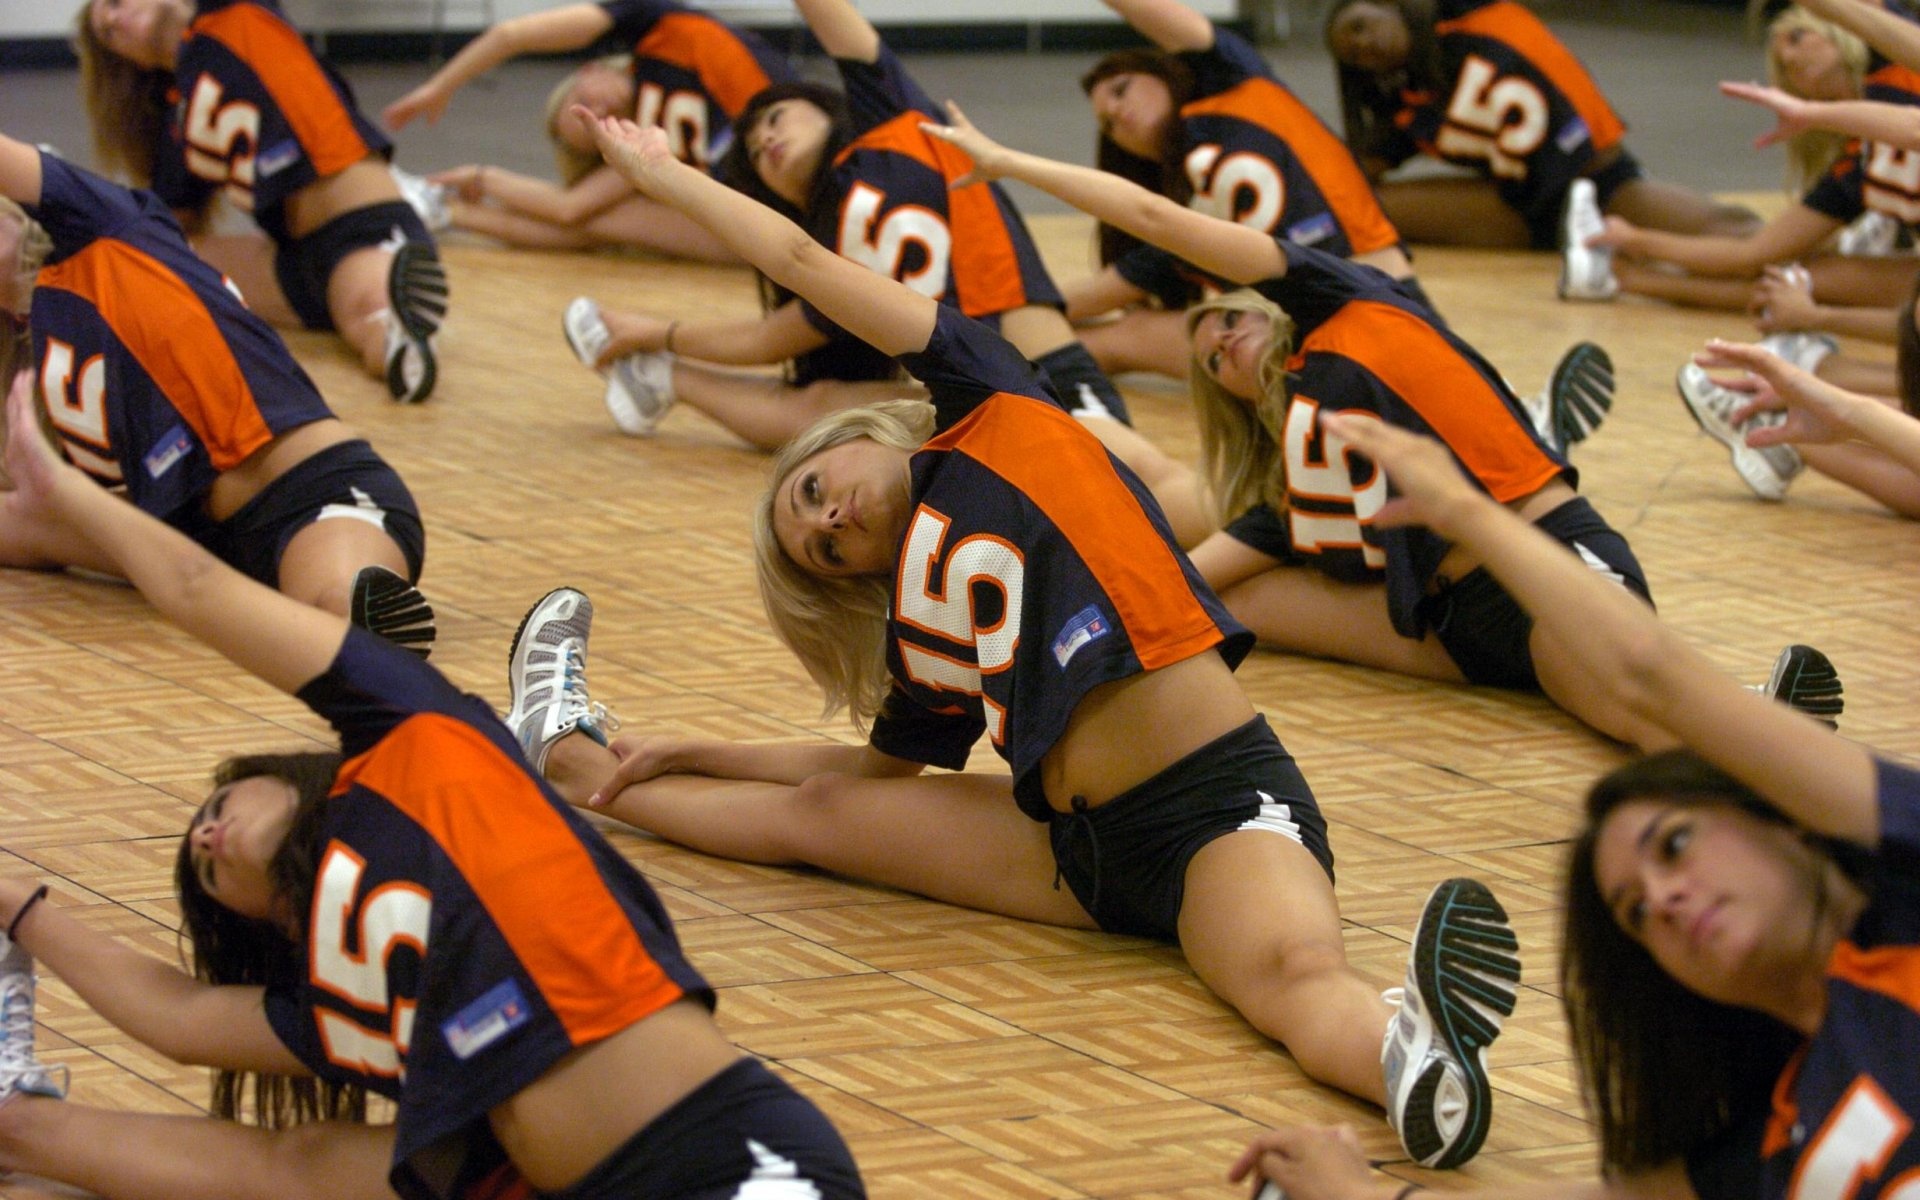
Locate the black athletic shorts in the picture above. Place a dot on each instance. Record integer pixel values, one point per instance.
(304, 265)
(345, 481)
(743, 1133)
(1126, 860)
(1543, 226)
(1485, 631)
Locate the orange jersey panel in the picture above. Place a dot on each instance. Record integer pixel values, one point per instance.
(291, 75)
(704, 47)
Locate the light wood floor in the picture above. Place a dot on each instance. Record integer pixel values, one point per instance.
(962, 1054)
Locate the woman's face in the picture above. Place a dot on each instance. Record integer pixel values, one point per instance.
(843, 512)
(1370, 37)
(1228, 345)
(144, 32)
(234, 837)
(600, 90)
(1135, 109)
(785, 144)
(1810, 64)
(1722, 900)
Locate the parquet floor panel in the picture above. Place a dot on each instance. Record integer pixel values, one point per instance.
(963, 1054)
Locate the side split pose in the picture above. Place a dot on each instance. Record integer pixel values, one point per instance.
(159, 381)
(415, 916)
(199, 99)
(1302, 560)
(1483, 84)
(1846, 179)
(687, 72)
(981, 565)
(856, 171)
(1204, 120)
(1742, 935)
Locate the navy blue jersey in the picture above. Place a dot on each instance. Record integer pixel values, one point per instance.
(1844, 1110)
(1364, 348)
(1874, 176)
(894, 209)
(155, 374)
(1035, 568)
(692, 73)
(256, 115)
(468, 929)
(1516, 106)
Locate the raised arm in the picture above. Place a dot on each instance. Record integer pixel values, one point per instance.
(19, 171)
(1891, 35)
(1816, 411)
(1871, 120)
(273, 636)
(1168, 24)
(840, 29)
(1819, 779)
(569, 27)
(161, 1006)
(1223, 248)
(887, 315)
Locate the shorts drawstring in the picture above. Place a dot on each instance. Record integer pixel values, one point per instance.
(1082, 820)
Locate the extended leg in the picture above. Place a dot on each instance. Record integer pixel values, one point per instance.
(1653, 204)
(1144, 339)
(1453, 212)
(1302, 611)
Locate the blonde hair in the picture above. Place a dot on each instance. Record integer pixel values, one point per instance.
(575, 165)
(1240, 441)
(836, 626)
(126, 103)
(1811, 152)
(35, 245)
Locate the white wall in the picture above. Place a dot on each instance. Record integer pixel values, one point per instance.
(54, 18)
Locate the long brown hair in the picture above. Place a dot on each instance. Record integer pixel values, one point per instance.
(1164, 174)
(126, 103)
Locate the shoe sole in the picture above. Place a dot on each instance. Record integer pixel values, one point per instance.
(1580, 394)
(385, 604)
(1805, 679)
(417, 298)
(579, 351)
(1463, 946)
(1761, 479)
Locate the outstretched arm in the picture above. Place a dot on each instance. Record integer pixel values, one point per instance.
(19, 171)
(1796, 231)
(1891, 35)
(1871, 120)
(1168, 24)
(1234, 252)
(885, 314)
(279, 639)
(162, 1006)
(1814, 776)
(566, 28)
(840, 29)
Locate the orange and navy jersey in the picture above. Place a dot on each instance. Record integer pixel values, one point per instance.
(1875, 176)
(468, 929)
(256, 115)
(155, 374)
(1255, 154)
(1364, 348)
(1845, 1110)
(894, 210)
(692, 73)
(1035, 568)
(1517, 106)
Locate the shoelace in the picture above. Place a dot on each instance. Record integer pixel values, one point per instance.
(16, 1028)
(574, 705)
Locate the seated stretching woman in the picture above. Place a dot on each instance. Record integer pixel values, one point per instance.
(856, 171)
(687, 72)
(198, 99)
(158, 381)
(1204, 120)
(416, 916)
(1742, 930)
(981, 565)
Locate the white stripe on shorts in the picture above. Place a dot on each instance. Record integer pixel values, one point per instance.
(774, 1178)
(1274, 818)
(362, 509)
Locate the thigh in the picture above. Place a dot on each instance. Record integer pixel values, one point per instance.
(650, 225)
(1653, 204)
(1453, 212)
(518, 229)
(357, 288)
(247, 260)
(1300, 610)
(1863, 282)
(319, 563)
(1257, 905)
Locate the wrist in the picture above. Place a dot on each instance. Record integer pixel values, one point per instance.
(666, 342)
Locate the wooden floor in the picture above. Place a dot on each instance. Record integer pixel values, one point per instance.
(961, 1054)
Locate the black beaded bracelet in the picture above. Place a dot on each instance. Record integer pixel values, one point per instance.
(13, 926)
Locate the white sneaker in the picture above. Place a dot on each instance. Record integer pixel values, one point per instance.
(1461, 980)
(425, 197)
(1804, 350)
(1577, 398)
(386, 604)
(1768, 471)
(1586, 272)
(416, 305)
(1805, 679)
(639, 386)
(1871, 235)
(19, 1070)
(547, 676)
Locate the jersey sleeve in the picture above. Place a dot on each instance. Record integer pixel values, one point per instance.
(1159, 274)
(1226, 64)
(76, 206)
(1263, 529)
(907, 730)
(1899, 801)
(1841, 192)
(1317, 285)
(374, 685)
(965, 362)
(632, 19)
(881, 90)
(292, 1022)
